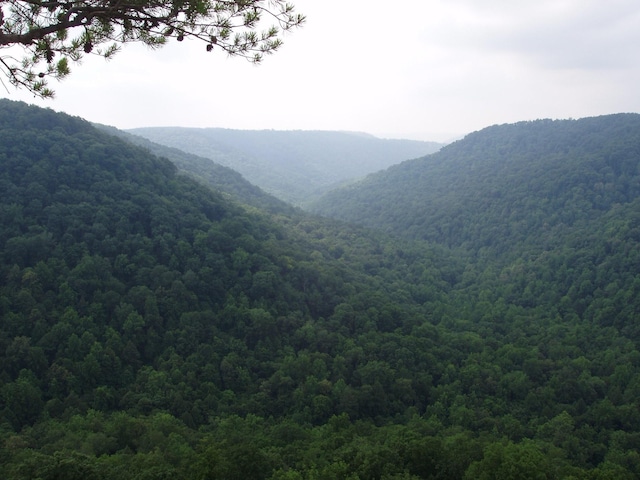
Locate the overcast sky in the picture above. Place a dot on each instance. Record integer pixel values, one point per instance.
(423, 69)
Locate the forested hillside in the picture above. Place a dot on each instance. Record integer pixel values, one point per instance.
(219, 177)
(504, 188)
(295, 166)
(154, 328)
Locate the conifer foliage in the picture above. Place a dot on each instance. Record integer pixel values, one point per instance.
(55, 33)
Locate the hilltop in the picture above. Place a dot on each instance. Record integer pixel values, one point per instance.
(504, 188)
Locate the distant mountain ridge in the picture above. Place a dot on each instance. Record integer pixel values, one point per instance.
(295, 166)
(523, 182)
(219, 177)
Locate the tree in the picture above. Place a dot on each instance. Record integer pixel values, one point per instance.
(53, 33)
(512, 461)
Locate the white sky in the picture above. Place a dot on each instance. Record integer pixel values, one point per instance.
(424, 69)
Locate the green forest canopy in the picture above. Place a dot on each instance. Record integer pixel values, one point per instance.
(153, 328)
(504, 187)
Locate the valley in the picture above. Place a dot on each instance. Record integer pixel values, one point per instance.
(294, 166)
(468, 314)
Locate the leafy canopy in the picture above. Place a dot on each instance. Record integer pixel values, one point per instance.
(50, 34)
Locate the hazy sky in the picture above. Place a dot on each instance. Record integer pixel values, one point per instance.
(425, 69)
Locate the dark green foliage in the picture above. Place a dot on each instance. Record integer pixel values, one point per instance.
(152, 328)
(221, 178)
(505, 187)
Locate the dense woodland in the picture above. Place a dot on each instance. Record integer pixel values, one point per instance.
(296, 166)
(153, 327)
(222, 179)
(505, 188)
